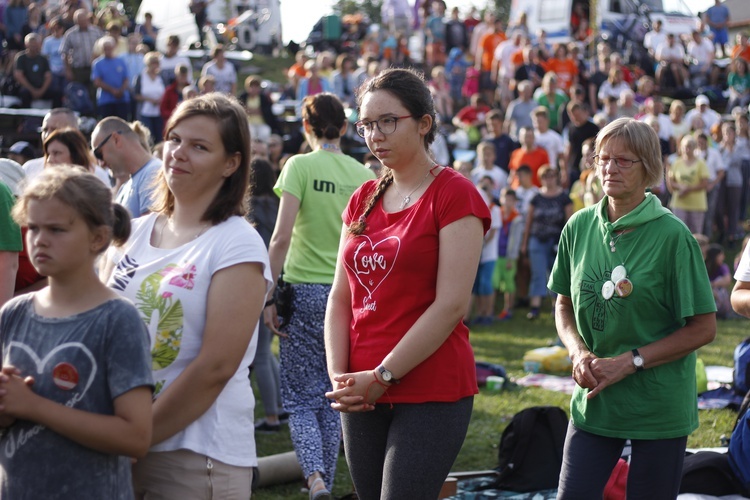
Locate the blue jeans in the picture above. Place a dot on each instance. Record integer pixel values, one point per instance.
(588, 460)
(542, 256)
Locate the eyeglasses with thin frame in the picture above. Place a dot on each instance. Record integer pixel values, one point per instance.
(98, 149)
(386, 125)
(623, 163)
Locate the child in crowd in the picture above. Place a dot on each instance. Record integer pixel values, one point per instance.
(509, 239)
(703, 242)
(587, 190)
(526, 190)
(504, 144)
(524, 194)
(455, 70)
(721, 278)
(463, 168)
(486, 168)
(483, 293)
(76, 380)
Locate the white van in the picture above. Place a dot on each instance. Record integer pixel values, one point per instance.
(611, 17)
(258, 22)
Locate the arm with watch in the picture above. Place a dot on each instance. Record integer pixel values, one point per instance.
(460, 246)
(596, 374)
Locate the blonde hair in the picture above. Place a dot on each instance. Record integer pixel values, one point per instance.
(81, 191)
(641, 140)
(549, 77)
(677, 105)
(150, 57)
(686, 141)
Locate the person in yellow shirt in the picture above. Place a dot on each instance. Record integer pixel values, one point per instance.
(688, 180)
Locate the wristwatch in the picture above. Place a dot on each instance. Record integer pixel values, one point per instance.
(387, 375)
(637, 360)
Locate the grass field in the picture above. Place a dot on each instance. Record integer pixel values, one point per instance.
(505, 343)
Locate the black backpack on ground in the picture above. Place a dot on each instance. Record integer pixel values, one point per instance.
(531, 450)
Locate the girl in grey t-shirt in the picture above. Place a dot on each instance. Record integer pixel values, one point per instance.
(75, 387)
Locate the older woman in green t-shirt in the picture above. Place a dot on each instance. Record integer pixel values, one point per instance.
(634, 304)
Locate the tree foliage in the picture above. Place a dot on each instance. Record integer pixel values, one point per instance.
(370, 8)
(131, 6)
(502, 9)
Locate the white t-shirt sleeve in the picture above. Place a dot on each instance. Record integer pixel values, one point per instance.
(243, 244)
(743, 270)
(496, 221)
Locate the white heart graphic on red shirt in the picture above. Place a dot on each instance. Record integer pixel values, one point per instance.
(373, 262)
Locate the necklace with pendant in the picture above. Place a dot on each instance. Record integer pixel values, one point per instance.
(613, 241)
(407, 199)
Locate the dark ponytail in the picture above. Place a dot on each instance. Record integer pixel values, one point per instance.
(121, 225)
(325, 114)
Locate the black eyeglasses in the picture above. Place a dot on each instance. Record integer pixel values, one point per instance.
(386, 125)
(98, 149)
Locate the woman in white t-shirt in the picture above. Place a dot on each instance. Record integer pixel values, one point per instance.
(222, 70)
(149, 89)
(198, 273)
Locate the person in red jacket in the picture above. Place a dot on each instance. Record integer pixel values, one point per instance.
(173, 93)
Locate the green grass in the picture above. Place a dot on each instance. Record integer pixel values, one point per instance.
(506, 343)
(268, 67)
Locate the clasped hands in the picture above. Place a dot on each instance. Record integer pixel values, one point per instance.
(15, 394)
(356, 392)
(596, 374)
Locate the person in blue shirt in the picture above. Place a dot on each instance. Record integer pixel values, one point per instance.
(717, 18)
(110, 77)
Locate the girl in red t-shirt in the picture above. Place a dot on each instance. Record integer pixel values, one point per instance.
(398, 353)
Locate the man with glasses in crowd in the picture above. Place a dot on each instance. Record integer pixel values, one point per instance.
(118, 146)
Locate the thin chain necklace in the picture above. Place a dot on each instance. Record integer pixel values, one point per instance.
(166, 222)
(407, 199)
(614, 239)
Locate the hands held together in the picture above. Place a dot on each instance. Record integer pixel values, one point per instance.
(15, 395)
(356, 392)
(596, 374)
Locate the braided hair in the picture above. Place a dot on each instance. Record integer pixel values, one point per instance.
(409, 87)
(358, 226)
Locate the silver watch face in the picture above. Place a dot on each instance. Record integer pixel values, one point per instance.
(387, 376)
(638, 361)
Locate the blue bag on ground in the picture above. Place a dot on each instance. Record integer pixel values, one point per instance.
(741, 384)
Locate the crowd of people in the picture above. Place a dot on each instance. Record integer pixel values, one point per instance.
(478, 180)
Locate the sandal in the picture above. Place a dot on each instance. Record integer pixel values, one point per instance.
(321, 494)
